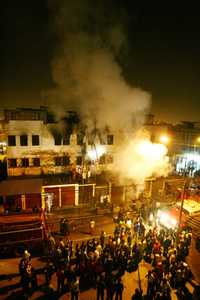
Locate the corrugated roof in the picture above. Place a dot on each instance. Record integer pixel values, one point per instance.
(20, 186)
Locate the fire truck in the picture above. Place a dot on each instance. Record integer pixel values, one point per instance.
(20, 232)
(170, 217)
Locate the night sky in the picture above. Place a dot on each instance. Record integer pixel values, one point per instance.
(161, 54)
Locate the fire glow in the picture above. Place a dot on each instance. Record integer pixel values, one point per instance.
(141, 159)
(149, 151)
(96, 152)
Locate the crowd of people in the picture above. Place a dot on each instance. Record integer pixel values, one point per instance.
(101, 263)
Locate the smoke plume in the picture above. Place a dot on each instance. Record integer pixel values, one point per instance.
(85, 68)
(89, 76)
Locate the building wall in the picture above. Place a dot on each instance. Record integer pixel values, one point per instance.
(53, 158)
(46, 151)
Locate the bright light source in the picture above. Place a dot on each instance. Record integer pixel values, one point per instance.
(166, 220)
(198, 139)
(149, 150)
(96, 152)
(164, 139)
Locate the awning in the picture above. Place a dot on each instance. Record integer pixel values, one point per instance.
(20, 186)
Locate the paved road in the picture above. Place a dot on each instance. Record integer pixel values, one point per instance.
(10, 285)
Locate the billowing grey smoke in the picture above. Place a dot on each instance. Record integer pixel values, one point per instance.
(89, 73)
(88, 77)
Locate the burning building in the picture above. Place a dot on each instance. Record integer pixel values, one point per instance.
(37, 144)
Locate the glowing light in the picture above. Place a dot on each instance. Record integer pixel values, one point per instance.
(198, 139)
(149, 150)
(151, 217)
(187, 159)
(139, 159)
(96, 152)
(166, 219)
(164, 139)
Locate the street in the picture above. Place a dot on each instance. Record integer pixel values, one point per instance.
(9, 283)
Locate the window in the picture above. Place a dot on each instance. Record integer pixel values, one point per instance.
(58, 161)
(11, 140)
(12, 163)
(25, 162)
(79, 160)
(36, 162)
(23, 140)
(66, 139)
(66, 160)
(58, 139)
(79, 139)
(35, 140)
(110, 139)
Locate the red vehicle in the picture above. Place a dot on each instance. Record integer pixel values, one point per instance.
(169, 218)
(20, 232)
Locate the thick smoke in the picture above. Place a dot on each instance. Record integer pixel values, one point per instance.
(140, 158)
(88, 73)
(85, 69)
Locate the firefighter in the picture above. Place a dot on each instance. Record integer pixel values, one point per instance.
(92, 226)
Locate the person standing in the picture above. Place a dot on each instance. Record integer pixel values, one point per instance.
(119, 289)
(150, 285)
(100, 285)
(110, 286)
(92, 226)
(23, 273)
(75, 290)
(138, 295)
(60, 279)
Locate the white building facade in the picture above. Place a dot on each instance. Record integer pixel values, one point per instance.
(39, 146)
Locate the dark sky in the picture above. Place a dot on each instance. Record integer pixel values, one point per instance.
(162, 55)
